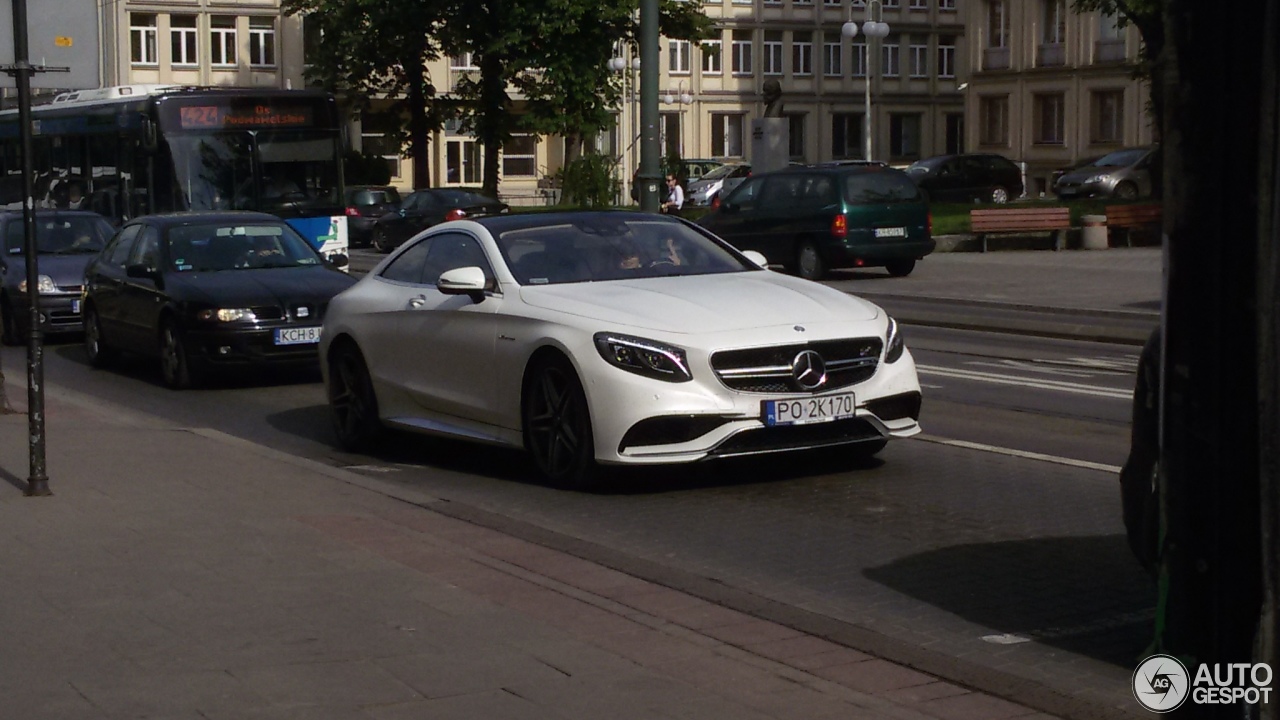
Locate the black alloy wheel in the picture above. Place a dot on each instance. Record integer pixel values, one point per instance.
(380, 241)
(999, 195)
(95, 345)
(353, 405)
(900, 268)
(176, 366)
(9, 334)
(809, 263)
(557, 426)
(1126, 191)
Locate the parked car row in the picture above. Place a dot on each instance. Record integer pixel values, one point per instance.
(1126, 174)
(377, 216)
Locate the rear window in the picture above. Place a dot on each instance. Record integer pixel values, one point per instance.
(387, 196)
(880, 187)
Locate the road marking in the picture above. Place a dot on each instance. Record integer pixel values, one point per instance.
(1020, 453)
(1005, 639)
(1036, 383)
(1031, 367)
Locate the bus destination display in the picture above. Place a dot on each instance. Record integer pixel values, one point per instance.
(220, 117)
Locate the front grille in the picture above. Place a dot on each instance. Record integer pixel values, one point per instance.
(768, 369)
(268, 312)
(78, 289)
(669, 429)
(796, 437)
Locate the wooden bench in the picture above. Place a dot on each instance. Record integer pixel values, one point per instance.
(1055, 220)
(1125, 218)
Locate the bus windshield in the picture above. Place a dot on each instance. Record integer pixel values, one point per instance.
(283, 172)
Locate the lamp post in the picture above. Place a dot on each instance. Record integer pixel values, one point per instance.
(679, 96)
(873, 29)
(621, 64)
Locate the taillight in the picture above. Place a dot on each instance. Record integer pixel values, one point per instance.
(353, 212)
(715, 202)
(930, 224)
(455, 214)
(840, 227)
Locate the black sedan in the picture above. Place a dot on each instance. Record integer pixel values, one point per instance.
(204, 291)
(66, 241)
(422, 209)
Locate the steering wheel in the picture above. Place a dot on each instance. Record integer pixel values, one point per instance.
(660, 262)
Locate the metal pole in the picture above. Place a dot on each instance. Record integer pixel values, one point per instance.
(649, 177)
(866, 151)
(37, 482)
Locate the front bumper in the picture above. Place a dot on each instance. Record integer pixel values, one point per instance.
(635, 419)
(230, 347)
(869, 253)
(1101, 188)
(59, 313)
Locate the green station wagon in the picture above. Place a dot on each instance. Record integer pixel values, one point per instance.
(839, 215)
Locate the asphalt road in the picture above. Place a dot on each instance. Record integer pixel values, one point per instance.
(992, 543)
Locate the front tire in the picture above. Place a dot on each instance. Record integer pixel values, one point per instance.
(380, 241)
(557, 425)
(353, 405)
(900, 268)
(176, 366)
(95, 345)
(999, 195)
(809, 262)
(1126, 191)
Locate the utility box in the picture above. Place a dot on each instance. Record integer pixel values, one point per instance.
(770, 144)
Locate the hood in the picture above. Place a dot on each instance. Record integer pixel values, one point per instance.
(1083, 174)
(264, 286)
(65, 270)
(699, 304)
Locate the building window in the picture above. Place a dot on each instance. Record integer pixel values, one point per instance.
(743, 2)
(773, 53)
(520, 156)
(463, 161)
(1049, 119)
(772, 2)
(832, 55)
(462, 62)
(182, 40)
(801, 53)
(919, 55)
(669, 133)
(904, 135)
(795, 137)
(918, 5)
(312, 36)
(142, 39)
(993, 112)
(711, 57)
(997, 24)
(1055, 21)
(678, 52)
(846, 135)
(379, 135)
(946, 58)
(1110, 44)
(859, 60)
(802, 2)
(222, 40)
(1108, 116)
(262, 41)
(892, 4)
(948, 5)
(832, 3)
(742, 52)
(726, 134)
(889, 60)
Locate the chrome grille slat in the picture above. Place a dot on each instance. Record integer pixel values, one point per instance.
(768, 369)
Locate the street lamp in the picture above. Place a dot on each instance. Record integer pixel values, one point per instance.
(681, 97)
(873, 29)
(632, 134)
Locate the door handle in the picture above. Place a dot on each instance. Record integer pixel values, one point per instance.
(418, 302)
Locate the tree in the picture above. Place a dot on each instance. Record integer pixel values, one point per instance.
(368, 50)
(1148, 17)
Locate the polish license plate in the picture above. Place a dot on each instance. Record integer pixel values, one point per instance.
(75, 306)
(804, 411)
(891, 232)
(297, 336)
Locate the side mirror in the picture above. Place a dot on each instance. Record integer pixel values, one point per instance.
(462, 281)
(756, 257)
(138, 270)
(339, 260)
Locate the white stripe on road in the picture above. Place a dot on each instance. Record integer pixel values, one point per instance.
(1020, 453)
(1036, 383)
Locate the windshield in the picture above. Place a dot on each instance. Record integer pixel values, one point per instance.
(61, 236)
(276, 171)
(221, 246)
(459, 198)
(373, 196)
(922, 167)
(602, 248)
(1121, 158)
(721, 172)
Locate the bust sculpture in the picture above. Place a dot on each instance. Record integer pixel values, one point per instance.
(772, 92)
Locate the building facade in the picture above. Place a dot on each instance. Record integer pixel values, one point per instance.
(1049, 87)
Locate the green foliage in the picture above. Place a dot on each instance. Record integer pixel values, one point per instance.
(361, 169)
(673, 164)
(589, 181)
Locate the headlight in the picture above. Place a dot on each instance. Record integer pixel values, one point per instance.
(44, 285)
(1096, 178)
(893, 345)
(226, 314)
(644, 357)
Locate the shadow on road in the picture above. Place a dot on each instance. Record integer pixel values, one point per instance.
(1085, 595)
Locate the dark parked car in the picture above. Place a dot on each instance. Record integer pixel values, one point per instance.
(968, 178)
(204, 291)
(812, 218)
(422, 209)
(1124, 174)
(365, 204)
(66, 241)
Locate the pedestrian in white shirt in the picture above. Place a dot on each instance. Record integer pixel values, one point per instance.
(676, 200)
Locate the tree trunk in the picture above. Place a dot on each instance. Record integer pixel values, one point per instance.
(494, 118)
(419, 123)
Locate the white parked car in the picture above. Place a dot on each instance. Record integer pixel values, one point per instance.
(606, 338)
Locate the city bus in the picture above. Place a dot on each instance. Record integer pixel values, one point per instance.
(142, 149)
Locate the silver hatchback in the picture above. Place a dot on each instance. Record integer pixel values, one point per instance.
(1126, 174)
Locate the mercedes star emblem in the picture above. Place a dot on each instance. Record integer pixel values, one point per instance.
(809, 370)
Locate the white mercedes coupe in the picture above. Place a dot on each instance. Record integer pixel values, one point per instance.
(606, 338)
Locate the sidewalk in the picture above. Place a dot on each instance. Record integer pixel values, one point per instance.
(183, 573)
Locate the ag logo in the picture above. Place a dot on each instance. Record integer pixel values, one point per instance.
(1161, 683)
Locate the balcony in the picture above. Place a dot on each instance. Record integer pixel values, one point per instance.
(1051, 55)
(1109, 51)
(995, 58)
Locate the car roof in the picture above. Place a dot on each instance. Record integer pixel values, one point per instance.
(51, 212)
(524, 221)
(202, 217)
(857, 168)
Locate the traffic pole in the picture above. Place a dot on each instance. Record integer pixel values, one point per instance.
(650, 175)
